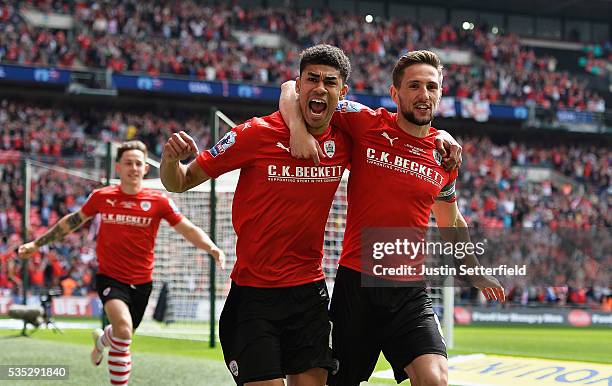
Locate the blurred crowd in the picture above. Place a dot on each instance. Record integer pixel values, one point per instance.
(494, 194)
(73, 132)
(216, 43)
(597, 59)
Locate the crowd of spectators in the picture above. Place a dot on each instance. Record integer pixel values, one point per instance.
(597, 59)
(53, 131)
(188, 39)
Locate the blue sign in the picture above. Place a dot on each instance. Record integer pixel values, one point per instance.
(34, 74)
(247, 91)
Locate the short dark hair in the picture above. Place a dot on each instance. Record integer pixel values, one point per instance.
(131, 145)
(415, 57)
(327, 55)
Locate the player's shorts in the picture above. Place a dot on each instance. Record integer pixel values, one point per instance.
(399, 321)
(268, 333)
(135, 296)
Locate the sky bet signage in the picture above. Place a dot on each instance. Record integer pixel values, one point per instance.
(34, 74)
(450, 107)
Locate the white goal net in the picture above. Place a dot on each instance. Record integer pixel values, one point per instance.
(186, 270)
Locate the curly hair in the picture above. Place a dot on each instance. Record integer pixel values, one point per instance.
(327, 55)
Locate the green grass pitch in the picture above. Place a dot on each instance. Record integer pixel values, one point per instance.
(161, 361)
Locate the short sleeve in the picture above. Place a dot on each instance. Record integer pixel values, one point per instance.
(237, 149)
(170, 211)
(353, 118)
(91, 206)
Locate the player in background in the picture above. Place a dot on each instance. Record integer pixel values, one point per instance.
(396, 180)
(130, 217)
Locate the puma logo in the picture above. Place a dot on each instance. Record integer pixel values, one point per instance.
(111, 202)
(280, 145)
(384, 134)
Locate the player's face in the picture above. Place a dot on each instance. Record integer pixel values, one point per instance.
(419, 94)
(131, 167)
(319, 87)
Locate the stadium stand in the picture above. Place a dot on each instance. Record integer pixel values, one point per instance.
(204, 42)
(494, 193)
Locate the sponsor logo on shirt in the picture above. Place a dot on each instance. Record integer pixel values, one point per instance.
(225, 143)
(329, 147)
(127, 204)
(404, 165)
(145, 205)
(280, 145)
(289, 173)
(123, 219)
(384, 134)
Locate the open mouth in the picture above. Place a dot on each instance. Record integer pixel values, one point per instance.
(422, 108)
(317, 106)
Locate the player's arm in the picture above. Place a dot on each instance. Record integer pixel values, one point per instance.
(65, 225)
(454, 228)
(301, 143)
(175, 176)
(196, 236)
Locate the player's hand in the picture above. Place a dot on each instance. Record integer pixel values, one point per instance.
(490, 287)
(179, 146)
(449, 149)
(26, 250)
(219, 257)
(303, 146)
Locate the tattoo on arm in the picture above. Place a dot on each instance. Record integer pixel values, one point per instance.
(52, 235)
(73, 221)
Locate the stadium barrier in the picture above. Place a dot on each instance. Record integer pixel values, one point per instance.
(75, 306)
(532, 316)
(450, 107)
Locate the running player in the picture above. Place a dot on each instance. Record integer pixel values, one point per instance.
(130, 217)
(275, 321)
(396, 180)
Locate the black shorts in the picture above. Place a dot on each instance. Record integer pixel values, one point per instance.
(268, 333)
(135, 296)
(399, 321)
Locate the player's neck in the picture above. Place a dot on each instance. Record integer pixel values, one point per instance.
(319, 130)
(412, 129)
(130, 189)
(316, 131)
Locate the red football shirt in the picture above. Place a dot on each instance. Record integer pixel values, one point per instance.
(395, 177)
(128, 227)
(281, 204)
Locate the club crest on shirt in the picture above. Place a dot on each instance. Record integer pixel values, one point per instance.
(329, 147)
(145, 205)
(437, 156)
(225, 143)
